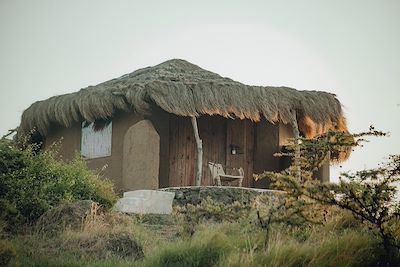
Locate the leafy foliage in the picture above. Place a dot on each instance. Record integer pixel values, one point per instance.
(31, 183)
(369, 194)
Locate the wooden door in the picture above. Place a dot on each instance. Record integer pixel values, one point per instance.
(212, 131)
(217, 134)
(240, 136)
(182, 152)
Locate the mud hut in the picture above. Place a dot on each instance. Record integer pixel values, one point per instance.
(140, 124)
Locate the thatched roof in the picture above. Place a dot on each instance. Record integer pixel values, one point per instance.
(185, 89)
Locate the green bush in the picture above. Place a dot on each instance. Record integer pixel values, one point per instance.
(31, 183)
(369, 195)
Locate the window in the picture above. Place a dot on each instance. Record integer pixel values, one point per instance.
(96, 143)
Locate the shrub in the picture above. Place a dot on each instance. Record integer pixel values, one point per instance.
(31, 183)
(369, 195)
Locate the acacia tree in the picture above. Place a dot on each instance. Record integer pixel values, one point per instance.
(369, 194)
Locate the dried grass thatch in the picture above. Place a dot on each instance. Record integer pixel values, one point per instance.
(184, 89)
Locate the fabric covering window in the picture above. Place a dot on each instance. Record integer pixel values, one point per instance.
(96, 143)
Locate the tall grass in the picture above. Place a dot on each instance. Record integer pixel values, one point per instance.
(212, 244)
(351, 248)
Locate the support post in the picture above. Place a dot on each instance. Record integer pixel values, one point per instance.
(199, 145)
(296, 134)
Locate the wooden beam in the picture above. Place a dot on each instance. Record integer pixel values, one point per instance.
(295, 128)
(199, 145)
(296, 134)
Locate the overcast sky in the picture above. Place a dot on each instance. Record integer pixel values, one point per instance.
(349, 48)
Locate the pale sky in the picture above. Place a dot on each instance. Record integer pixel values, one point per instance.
(349, 48)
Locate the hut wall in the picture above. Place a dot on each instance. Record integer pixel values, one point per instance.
(121, 124)
(323, 172)
(160, 120)
(212, 131)
(141, 157)
(256, 143)
(269, 139)
(240, 135)
(286, 132)
(70, 139)
(267, 136)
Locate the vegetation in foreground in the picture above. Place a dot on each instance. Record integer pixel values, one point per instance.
(340, 241)
(31, 183)
(354, 223)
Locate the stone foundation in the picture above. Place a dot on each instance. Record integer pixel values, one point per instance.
(226, 194)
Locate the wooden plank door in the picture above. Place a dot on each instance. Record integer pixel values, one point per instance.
(182, 152)
(240, 134)
(212, 130)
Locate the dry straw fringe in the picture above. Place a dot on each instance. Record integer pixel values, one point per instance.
(184, 89)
